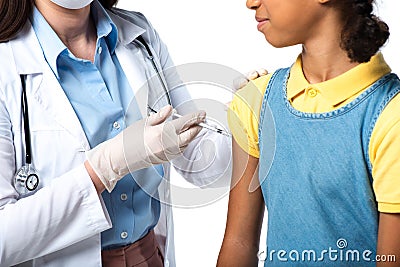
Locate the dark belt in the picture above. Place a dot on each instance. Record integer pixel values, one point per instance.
(143, 253)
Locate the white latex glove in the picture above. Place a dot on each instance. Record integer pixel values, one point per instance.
(145, 143)
(240, 82)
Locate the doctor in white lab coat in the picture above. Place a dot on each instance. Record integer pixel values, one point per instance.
(61, 223)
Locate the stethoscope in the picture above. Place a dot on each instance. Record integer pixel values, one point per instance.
(26, 180)
(164, 86)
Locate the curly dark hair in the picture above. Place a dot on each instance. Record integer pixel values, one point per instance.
(15, 13)
(363, 33)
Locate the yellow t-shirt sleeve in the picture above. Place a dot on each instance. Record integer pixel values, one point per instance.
(243, 114)
(384, 153)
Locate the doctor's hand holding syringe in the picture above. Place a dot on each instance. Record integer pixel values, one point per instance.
(147, 142)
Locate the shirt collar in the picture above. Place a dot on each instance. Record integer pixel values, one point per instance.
(105, 26)
(51, 44)
(337, 90)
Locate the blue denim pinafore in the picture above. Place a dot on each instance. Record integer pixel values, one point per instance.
(316, 180)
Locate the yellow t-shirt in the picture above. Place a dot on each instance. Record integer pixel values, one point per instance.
(384, 146)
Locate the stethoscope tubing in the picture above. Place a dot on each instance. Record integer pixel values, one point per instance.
(150, 56)
(25, 114)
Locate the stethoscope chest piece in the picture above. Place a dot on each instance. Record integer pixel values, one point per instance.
(26, 180)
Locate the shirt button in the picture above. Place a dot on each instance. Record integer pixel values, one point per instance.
(312, 92)
(124, 235)
(99, 50)
(124, 197)
(116, 125)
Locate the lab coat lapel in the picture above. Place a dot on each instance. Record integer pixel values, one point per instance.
(136, 76)
(42, 84)
(132, 60)
(53, 99)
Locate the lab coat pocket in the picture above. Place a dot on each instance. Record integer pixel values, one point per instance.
(55, 152)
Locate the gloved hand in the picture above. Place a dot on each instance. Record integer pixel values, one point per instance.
(240, 82)
(143, 144)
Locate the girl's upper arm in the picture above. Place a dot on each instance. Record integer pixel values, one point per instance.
(245, 213)
(388, 249)
(246, 205)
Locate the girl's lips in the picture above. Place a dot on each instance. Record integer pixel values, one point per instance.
(261, 23)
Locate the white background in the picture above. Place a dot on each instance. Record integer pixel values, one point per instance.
(225, 32)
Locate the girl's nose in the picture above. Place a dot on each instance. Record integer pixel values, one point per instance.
(253, 4)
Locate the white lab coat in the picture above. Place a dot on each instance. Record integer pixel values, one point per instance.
(60, 224)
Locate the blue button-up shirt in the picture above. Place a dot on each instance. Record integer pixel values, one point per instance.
(100, 94)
